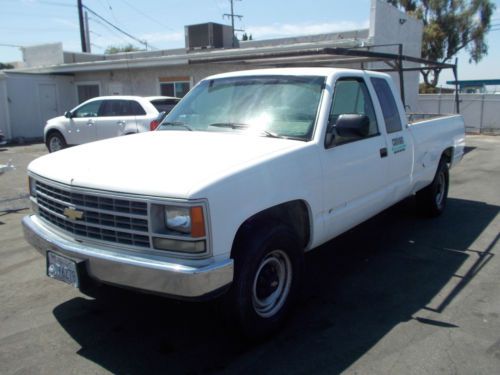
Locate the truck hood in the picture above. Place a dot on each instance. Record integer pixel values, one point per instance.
(175, 164)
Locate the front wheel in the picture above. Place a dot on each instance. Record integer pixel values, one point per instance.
(432, 199)
(55, 142)
(268, 272)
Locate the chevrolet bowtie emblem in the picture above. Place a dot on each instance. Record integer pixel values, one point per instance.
(72, 213)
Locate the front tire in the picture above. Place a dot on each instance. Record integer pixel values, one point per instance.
(431, 200)
(55, 142)
(268, 273)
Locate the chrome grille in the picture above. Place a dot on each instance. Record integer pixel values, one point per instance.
(108, 219)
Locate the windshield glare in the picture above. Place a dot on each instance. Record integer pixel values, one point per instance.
(278, 106)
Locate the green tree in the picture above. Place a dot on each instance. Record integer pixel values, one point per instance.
(449, 27)
(6, 66)
(117, 49)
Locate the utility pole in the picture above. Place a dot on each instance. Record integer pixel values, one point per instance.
(82, 27)
(87, 33)
(232, 15)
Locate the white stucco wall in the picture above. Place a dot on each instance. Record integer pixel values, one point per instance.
(43, 55)
(4, 107)
(145, 81)
(26, 114)
(388, 25)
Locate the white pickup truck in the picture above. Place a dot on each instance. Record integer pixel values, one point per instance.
(248, 172)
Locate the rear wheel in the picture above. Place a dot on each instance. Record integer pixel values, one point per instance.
(55, 142)
(432, 199)
(268, 272)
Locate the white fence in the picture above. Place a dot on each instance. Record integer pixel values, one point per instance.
(481, 111)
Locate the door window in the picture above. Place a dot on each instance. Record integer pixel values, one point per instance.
(111, 108)
(351, 96)
(88, 110)
(136, 109)
(388, 104)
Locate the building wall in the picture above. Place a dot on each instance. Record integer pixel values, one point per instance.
(43, 55)
(4, 108)
(388, 25)
(145, 81)
(28, 114)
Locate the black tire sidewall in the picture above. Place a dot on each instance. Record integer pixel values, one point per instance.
(253, 249)
(55, 135)
(426, 198)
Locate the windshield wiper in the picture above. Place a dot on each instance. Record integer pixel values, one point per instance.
(240, 125)
(232, 125)
(177, 123)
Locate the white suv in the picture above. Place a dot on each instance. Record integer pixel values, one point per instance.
(105, 117)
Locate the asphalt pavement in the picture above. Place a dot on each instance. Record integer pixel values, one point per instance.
(399, 294)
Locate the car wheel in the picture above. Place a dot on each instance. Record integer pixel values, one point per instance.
(55, 142)
(268, 273)
(432, 199)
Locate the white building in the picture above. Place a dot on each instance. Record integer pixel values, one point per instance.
(53, 80)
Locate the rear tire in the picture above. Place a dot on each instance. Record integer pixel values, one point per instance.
(268, 272)
(431, 200)
(55, 142)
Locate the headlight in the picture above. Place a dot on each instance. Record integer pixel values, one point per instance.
(179, 229)
(177, 219)
(186, 220)
(32, 186)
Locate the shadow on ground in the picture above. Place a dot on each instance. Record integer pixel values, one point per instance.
(358, 287)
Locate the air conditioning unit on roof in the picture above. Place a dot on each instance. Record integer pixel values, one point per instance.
(208, 35)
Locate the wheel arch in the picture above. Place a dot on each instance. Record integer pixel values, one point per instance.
(295, 214)
(51, 131)
(448, 155)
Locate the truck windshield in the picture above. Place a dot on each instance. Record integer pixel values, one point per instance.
(271, 106)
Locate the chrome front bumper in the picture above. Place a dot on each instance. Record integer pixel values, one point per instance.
(133, 270)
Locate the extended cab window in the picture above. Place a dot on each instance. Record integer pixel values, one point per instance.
(388, 104)
(351, 97)
(88, 110)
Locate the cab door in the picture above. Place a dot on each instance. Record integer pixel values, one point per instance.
(354, 168)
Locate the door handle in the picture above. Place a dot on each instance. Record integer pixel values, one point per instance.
(90, 122)
(383, 152)
(121, 123)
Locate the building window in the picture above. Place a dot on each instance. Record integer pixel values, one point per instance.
(174, 86)
(86, 91)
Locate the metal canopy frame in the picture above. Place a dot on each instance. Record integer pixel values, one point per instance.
(335, 56)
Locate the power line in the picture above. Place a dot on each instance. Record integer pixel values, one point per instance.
(143, 42)
(147, 15)
(108, 28)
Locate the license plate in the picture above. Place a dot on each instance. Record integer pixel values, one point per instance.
(62, 269)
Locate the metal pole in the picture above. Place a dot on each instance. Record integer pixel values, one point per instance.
(87, 33)
(455, 74)
(82, 28)
(401, 76)
(232, 21)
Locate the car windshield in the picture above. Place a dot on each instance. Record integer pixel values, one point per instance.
(273, 106)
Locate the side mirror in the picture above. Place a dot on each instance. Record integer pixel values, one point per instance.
(349, 126)
(68, 114)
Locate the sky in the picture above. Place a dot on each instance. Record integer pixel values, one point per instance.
(161, 23)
